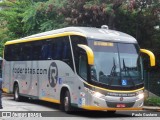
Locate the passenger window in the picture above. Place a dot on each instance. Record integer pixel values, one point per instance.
(27, 52)
(7, 53)
(16, 51)
(67, 55)
(79, 53)
(45, 52)
(37, 53)
(61, 50)
(83, 66)
(58, 48)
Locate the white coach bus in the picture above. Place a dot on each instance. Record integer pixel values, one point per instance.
(88, 68)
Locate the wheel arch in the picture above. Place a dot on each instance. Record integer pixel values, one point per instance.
(62, 92)
(14, 84)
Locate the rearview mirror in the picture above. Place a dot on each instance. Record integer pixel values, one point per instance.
(151, 56)
(90, 54)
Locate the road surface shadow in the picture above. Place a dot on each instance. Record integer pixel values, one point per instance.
(99, 114)
(78, 113)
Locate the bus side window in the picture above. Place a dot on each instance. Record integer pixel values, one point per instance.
(79, 55)
(7, 53)
(58, 49)
(61, 50)
(49, 52)
(67, 56)
(37, 53)
(27, 52)
(1, 67)
(16, 52)
(83, 66)
(45, 50)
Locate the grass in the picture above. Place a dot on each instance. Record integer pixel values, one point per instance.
(152, 101)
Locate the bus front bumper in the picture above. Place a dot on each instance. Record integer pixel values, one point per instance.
(112, 103)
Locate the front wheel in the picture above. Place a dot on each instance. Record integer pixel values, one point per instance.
(111, 112)
(67, 102)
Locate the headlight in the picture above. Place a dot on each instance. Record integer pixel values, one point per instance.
(141, 96)
(98, 95)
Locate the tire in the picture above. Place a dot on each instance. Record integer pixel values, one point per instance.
(17, 97)
(111, 112)
(66, 105)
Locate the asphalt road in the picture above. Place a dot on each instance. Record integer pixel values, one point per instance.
(32, 108)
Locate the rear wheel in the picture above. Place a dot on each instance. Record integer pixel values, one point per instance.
(17, 97)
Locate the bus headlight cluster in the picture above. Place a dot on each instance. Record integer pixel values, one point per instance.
(141, 96)
(95, 94)
(98, 95)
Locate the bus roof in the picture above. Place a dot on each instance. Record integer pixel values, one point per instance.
(88, 32)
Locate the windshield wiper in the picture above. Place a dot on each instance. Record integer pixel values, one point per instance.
(127, 72)
(113, 70)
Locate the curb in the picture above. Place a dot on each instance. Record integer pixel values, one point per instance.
(7, 95)
(152, 108)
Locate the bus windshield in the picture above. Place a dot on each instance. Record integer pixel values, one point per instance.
(116, 64)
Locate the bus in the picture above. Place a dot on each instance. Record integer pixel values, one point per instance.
(77, 67)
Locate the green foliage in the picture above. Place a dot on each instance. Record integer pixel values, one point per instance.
(12, 15)
(43, 16)
(92, 13)
(20, 18)
(152, 101)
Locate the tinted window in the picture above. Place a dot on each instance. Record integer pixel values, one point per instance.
(61, 50)
(50, 49)
(27, 51)
(0, 68)
(37, 50)
(7, 53)
(79, 55)
(15, 52)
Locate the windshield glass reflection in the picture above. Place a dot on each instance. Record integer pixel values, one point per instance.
(116, 64)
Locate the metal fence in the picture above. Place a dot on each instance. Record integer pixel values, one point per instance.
(152, 82)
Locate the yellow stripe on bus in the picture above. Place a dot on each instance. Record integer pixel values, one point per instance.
(50, 100)
(105, 108)
(117, 91)
(44, 37)
(5, 90)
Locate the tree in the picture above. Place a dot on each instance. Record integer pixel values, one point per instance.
(92, 13)
(43, 16)
(136, 17)
(12, 14)
(20, 18)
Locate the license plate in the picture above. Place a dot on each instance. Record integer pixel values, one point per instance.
(121, 105)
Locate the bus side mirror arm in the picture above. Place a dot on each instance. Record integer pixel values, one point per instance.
(90, 54)
(151, 56)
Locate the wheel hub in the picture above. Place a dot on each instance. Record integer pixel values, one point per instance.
(66, 102)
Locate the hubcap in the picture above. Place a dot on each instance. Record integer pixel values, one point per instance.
(66, 102)
(16, 93)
